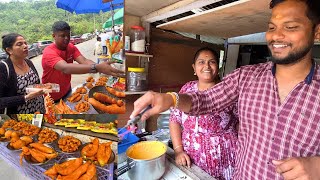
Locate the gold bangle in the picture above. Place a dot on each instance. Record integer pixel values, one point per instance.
(177, 147)
(175, 98)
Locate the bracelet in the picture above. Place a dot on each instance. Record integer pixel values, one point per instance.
(175, 98)
(177, 147)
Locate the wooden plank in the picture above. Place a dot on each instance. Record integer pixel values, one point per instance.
(89, 133)
(234, 19)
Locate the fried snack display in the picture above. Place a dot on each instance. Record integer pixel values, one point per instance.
(39, 152)
(90, 79)
(89, 85)
(81, 90)
(96, 152)
(49, 104)
(30, 130)
(82, 106)
(47, 136)
(9, 123)
(72, 170)
(107, 99)
(62, 108)
(114, 92)
(75, 97)
(100, 83)
(111, 109)
(85, 97)
(20, 125)
(69, 144)
(109, 128)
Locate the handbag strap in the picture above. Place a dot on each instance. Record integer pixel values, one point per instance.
(7, 68)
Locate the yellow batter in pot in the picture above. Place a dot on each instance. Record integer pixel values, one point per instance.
(146, 150)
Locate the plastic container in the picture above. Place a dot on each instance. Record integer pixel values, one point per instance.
(127, 43)
(47, 88)
(137, 79)
(138, 39)
(126, 142)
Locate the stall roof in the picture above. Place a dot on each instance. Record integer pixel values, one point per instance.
(234, 18)
(143, 7)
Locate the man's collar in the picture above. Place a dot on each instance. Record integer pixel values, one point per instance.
(309, 76)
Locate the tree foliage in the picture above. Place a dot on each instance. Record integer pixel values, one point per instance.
(34, 18)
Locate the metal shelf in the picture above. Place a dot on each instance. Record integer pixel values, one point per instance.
(134, 93)
(139, 55)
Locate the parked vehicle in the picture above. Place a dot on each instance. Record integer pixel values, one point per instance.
(86, 36)
(3, 55)
(36, 46)
(32, 52)
(43, 44)
(75, 40)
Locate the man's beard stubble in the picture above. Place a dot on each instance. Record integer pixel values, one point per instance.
(292, 57)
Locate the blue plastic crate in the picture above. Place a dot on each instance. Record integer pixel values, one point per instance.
(127, 141)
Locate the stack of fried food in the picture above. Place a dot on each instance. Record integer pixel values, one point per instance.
(15, 141)
(49, 104)
(96, 152)
(62, 108)
(100, 101)
(9, 123)
(69, 144)
(81, 90)
(39, 153)
(90, 81)
(47, 136)
(102, 81)
(75, 97)
(26, 128)
(73, 170)
(82, 106)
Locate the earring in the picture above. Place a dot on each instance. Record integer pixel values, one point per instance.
(195, 73)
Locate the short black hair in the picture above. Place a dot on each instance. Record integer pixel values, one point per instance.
(60, 26)
(215, 54)
(313, 9)
(98, 38)
(8, 40)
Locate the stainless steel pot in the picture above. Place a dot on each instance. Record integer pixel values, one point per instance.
(146, 160)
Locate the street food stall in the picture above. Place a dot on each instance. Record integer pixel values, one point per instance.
(69, 147)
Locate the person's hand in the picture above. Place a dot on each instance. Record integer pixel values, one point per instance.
(159, 102)
(105, 68)
(182, 158)
(307, 168)
(34, 94)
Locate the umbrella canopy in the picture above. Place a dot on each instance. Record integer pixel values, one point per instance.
(117, 19)
(88, 6)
